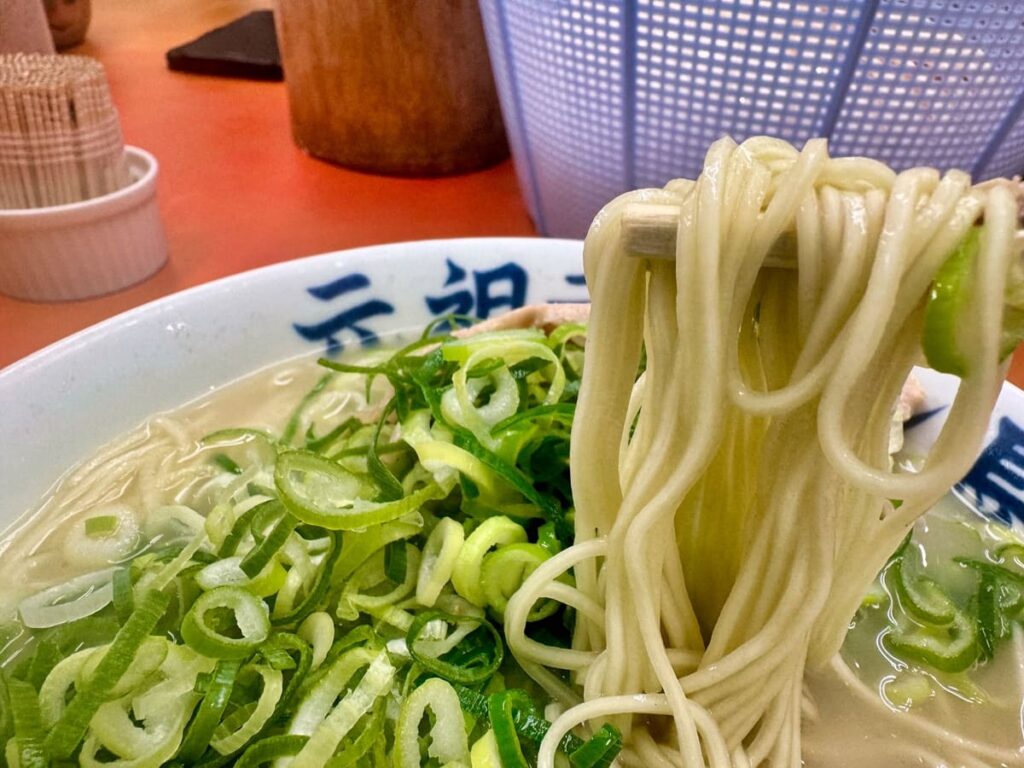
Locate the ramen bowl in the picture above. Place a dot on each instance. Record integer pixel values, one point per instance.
(65, 401)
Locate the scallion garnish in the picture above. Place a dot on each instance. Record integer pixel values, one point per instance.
(67, 733)
(333, 605)
(101, 526)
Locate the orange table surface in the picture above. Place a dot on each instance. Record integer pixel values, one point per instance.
(235, 192)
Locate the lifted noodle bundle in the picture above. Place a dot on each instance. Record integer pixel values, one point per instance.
(755, 498)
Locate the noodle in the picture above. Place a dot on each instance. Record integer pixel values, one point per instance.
(752, 506)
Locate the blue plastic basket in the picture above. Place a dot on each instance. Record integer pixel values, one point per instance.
(601, 96)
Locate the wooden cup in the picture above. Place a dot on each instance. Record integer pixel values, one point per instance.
(23, 27)
(391, 86)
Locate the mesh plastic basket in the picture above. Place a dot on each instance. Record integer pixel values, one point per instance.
(601, 96)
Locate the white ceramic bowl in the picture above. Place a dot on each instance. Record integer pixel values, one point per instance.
(85, 249)
(61, 403)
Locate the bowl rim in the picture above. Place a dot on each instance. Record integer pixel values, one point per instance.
(140, 189)
(67, 343)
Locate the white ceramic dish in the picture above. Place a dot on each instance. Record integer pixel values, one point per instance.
(85, 249)
(61, 403)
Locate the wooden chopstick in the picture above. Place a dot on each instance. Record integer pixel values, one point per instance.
(649, 231)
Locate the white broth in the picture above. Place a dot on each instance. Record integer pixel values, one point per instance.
(850, 718)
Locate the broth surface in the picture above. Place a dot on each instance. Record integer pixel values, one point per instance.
(852, 721)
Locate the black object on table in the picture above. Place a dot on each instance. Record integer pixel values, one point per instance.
(246, 48)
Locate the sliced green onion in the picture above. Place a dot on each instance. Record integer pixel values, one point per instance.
(321, 696)
(560, 412)
(1012, 554)
(394, 561)
(907, 689)
(441, 458)
(285, 642)
(46, 657)
(184, 516)
(277, 658)
(226, 463)
(259, 556)
(944, 317)
(293, 421)
(170, 571)
(315, 593)
(989, 616)
(362, 635)
(459, 350)
(324, 442)
(90, 632)
(922, 598)
(216, 686)
(518, 480)
(318, 630)
(151, 654)
(55, 689)
(359, 593)
(183, 591)
(473, 702)
(566, 332)
(431, 378)
(369, 729)
(28, 726)
(229, 737)
(211, 710)
(467, 574)
(271, 748)
(484, 753)
(599, 751)
(548, 538)
(360, 546)
(249, 614)
(500, 710)
(438, 560)
(999, 572)
(360, 450)
(111, 535)
(264, 518)
(75, 599)
(239, 529)
(504, 572)
(102, 526)
(376, 682)
(468, 674)
(459, 406)
(528, 721)
(67, 734)
(228, 573)
(390, 488)
(875, 597)
(952, 648)
(114, 731)
(319, 491)
(448, 741)
(123, 593)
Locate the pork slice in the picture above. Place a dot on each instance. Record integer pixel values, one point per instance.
(547, 317)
